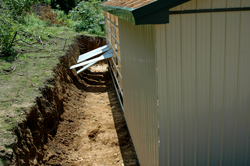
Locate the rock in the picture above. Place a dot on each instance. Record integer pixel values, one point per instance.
(34, 162)
(9, 153)
(115, 155)
(45, 147)
(59, 152)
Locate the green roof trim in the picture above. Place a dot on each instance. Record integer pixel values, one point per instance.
(121, 12)
(156, 12)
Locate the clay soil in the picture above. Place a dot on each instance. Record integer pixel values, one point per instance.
(92, 129)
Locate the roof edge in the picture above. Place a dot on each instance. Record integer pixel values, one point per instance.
(124, 13)
(149, 14)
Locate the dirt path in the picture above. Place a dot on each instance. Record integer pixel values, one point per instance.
(92, 130)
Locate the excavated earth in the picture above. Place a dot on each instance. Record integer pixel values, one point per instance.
(77, 120)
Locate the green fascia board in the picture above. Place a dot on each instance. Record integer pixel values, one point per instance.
(121, 12)
(159, 17)
(157, 5)
(156, 12)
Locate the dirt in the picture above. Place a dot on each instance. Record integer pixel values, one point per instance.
(19, 89)
(77, 120)
(93, 130)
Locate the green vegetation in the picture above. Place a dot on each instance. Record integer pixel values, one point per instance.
(16, 8)
(12, 13)
(86, 16)
(32, 37)
(19, 20)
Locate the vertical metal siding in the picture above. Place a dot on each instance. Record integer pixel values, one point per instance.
(188, 87)
(242, 146)
(204, 89)
(164, 154)
(245, 3)
(140, 89)
(219, 4)
(217, 86)
(230, 86)
(211, 4)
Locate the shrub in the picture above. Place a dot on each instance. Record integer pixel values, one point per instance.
(8, 31)
(17, 8)
(11, 15)
(64, 18)
(87, 17)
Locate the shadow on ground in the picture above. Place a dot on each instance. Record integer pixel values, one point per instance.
(97, 82)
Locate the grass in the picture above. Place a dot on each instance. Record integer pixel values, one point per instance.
(32, 68)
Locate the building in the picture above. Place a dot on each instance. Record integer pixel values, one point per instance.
(182, 71)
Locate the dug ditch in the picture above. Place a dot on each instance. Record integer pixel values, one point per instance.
(77, 120)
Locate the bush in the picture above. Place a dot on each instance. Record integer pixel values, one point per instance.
(87, 17)
(8, 30)
(64, 18)
(17, 8)
(11, 15)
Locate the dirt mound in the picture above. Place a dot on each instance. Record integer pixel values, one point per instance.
(77, 120)
(43, 118)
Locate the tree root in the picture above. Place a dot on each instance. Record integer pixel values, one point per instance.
(9, 71)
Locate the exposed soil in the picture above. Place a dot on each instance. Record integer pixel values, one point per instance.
(93, 130)
(77, 120)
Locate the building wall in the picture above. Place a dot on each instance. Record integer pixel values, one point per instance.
(204, 87)
(211, 4)
(140, 89)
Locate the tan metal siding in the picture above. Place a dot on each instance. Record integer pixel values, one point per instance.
(140, 89)
(203, 85)
(217, 85)
(243, 96)
(231, 78)
(164, 154)
(169, 75)
(245, 3)
(219, 4)
(211, 4)
(203, 88)
(188, 87)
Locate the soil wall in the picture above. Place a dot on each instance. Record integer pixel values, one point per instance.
(43, 118)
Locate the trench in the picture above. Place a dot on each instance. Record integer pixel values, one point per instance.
(77, 120)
